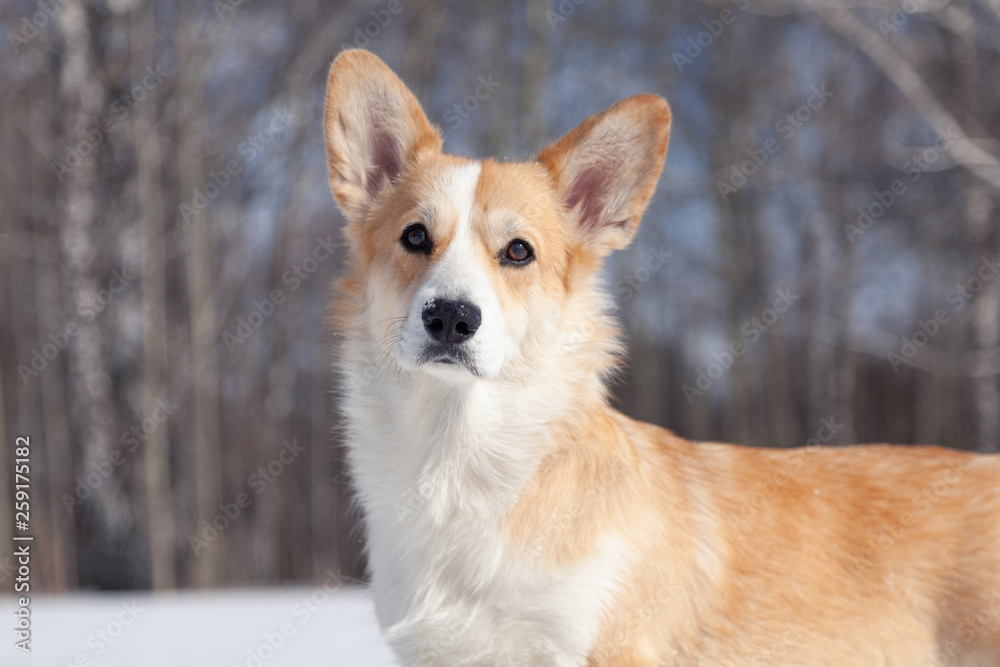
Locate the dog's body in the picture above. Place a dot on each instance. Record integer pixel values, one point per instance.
(514, 518)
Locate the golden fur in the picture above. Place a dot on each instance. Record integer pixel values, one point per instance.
(864, 555)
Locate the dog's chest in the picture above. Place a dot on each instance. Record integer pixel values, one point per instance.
(437, 475)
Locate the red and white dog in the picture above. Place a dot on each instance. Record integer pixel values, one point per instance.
(514, 518)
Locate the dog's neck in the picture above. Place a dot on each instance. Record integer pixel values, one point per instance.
(439, 466)
(468, 446)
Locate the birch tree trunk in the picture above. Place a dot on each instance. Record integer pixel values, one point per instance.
(93, 411)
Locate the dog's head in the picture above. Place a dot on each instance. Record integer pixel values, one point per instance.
(466, 265)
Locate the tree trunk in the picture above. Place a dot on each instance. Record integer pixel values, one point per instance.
(204, 372)
(159, 494)
(93, 410)
(985, 318)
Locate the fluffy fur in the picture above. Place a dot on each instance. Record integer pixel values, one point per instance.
(514, 518)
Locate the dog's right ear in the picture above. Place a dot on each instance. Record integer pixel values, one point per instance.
(374, 129)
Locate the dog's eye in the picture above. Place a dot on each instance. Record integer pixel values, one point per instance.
(518, 252)
(415, 239)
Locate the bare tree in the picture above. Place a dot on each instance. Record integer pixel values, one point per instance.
(158, 484)
(204, 333)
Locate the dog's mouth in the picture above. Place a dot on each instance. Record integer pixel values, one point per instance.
(449, 355)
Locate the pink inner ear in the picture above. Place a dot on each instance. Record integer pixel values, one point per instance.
(385, 162)
(588, 190)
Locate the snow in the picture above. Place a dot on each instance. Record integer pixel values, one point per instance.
(308, 627)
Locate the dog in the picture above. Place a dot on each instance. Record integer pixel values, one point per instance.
(513, 517)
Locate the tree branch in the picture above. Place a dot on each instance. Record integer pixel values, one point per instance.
(983, 164)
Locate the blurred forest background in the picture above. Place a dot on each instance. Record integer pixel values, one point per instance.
(819, 262)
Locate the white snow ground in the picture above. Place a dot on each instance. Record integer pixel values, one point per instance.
(286, 627)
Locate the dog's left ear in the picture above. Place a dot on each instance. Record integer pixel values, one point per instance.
(607, 167)
(374, 128)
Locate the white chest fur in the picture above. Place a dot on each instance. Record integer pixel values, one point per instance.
(437, 468)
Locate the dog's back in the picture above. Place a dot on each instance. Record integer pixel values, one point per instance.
(864, 555)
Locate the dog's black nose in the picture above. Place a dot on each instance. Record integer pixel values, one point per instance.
(451, 321)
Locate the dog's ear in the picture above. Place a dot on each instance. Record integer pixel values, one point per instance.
(607, 167)
(374, 129)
